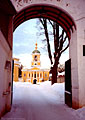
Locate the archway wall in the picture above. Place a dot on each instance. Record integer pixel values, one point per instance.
(5, 75)
(81, 59)
(46, 11)
(77, 64)
(6, 34)
(73, 54)
(76, 9)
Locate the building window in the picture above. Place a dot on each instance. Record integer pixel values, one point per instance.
(24, 74)
(32, 74)
(35, 57)
(37, 74)
(83, 50)
(29, 75)
(45, 75)
(40, 75)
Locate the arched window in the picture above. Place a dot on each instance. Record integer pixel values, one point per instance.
(32, 74)
(24, 74)
(45, 74)
(35, 75)
(40, 74)
(35, 57)
(29, 75)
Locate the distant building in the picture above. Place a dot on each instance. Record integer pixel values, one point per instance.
(35, 73)
(16, 69)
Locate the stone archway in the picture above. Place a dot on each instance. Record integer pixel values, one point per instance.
(51, 12)
(61, 8)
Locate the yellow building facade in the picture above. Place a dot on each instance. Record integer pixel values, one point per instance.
(16, 69)
(35, 74)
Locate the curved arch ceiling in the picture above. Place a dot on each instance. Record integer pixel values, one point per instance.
(50, 12)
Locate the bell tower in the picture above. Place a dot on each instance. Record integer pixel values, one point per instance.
(36, 57)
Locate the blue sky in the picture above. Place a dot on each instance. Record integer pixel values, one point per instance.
(24, 39)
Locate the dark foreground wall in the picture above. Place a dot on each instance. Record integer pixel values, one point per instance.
(6, 13)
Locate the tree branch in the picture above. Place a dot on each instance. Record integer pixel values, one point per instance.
(61, 41)
(64, 39)
(44, 23)
(56, 37)
(50, 22)
(64, 48)
(41, 21)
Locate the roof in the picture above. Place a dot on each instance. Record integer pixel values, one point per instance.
(35, 68)
(36, 51)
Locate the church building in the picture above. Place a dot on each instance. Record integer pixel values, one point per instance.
(35, 73)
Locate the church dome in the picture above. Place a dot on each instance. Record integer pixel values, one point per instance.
(36, 51)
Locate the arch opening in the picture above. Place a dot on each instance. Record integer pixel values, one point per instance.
(46, 11)
(53, 13)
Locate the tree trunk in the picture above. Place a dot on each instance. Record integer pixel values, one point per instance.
(54, 74)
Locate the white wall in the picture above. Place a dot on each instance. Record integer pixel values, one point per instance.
(5, 75)
(81, 60)
(73, 54)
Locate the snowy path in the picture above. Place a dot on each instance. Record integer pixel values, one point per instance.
(39, 102)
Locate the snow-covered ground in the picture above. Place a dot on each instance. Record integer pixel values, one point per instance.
(42, 101)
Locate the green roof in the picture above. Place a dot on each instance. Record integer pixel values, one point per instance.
(36, 51)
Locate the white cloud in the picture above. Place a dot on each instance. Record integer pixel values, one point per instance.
(45, 62)
(21, 44)
(64, 57)
(26, 59)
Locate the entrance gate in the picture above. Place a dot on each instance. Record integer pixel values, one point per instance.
(34, 81)
(68, 84)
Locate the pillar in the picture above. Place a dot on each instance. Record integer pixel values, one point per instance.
(81, 60)
(78, 65)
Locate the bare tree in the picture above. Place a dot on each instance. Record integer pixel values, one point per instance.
(61, 43)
